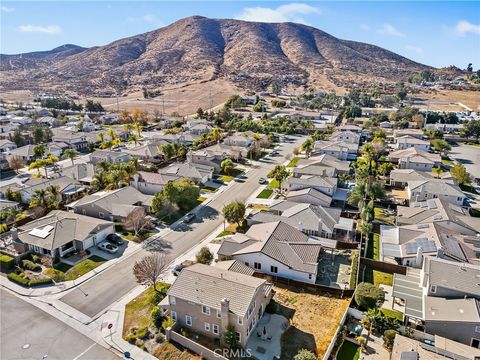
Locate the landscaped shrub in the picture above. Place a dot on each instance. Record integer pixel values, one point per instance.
(55, 275)
(368, 296)
(6, 262)
(141, 333)
(29, 265)
(19, 279)
(167, 323)
(131, 339)
(36, 259)
(40, 281)
(157, 317)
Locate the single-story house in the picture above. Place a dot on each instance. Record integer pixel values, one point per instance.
(151, 183)
(404, 142)
(6, 146)
(415, 158)
(322, 165)
(448, 190)
(113, 157)
(199, 173)
(326, 185)
(309, 196)
(401, 177)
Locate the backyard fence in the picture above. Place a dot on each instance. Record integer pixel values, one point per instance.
(193, 346)
(383, 266)
(314, 288)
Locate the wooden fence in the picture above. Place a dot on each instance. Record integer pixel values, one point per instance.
(383, 266)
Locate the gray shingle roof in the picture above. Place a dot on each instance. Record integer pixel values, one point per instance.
(209, 285)
(236, 266)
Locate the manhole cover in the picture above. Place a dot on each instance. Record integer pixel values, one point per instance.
(25, 346)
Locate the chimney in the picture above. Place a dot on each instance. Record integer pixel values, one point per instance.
(224, 311)
(419, 257)
(14, 233)
(440, 253)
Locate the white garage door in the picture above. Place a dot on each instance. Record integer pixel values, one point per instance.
(88, 243)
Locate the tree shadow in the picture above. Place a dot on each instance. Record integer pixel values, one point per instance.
(158, 245)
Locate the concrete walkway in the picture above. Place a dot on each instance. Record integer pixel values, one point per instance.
(262, 348)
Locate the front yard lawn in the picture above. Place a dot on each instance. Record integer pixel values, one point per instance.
(313, 319)
(392, 313)
(265, 194)
(226, 178)
(475, 212)
(273, 184)
(447, 161)
(349, 351)
(83, 267)
(293, 162)
(225, 233)
(378, 277)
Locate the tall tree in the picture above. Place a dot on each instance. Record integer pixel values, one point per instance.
(137, 220)
(234, 212)
(279, 173)
(308, 146)
(39, 150)
(148, 270)
(16, 163)
(460, 174)
(71, 154)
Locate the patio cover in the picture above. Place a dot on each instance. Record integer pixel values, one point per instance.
(407, 287)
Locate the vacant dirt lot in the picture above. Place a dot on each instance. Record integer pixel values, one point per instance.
(314, 319)
(468, 98)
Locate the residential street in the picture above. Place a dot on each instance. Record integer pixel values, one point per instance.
(30, 333)
(96, 295)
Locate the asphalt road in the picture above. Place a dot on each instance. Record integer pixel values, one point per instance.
(469, 156)
(95, 296)
(30, 333)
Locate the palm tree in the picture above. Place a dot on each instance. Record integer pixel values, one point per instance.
(307, 146)
(101, 137)
(99, 181)
(128, 127)
(39, 199)
(133, 139)
(39, 150)
(114, 178)
(102, 165)
(36, 165)
(71, 154)
(111, 133)
(369, 322)
(437, 171)
(138, 129)
(216, 134)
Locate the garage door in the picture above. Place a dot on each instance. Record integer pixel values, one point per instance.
(88, 243)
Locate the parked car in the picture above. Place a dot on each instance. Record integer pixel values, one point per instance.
(178, 268)
(188, 218)
(106, 246)
(274, 153)
(114, 239)
(262, 181)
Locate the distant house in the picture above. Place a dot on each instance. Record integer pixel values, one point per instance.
(60, 233)
(23, 152)
(74, 140)
(113, 205)
(322, 165)
(112, 157)
(239, 140)
(68, 189)
(151, 183)
(199, 173)
(250, 100)
(148, 152)
(276, 249)
(21, 120)
(210, 299)
(401, 177)
(50, 121)
(213, 155)
(350, 128)
(415, 158)
(6, 146)
(408, 132)
(199, 129)
(445, 128)
(448, 190)
(339, 149)
(309, 196)
(346, 136)
(408, 141)
(83, 173)
(326, 185)
(314, 220)
(386, 125)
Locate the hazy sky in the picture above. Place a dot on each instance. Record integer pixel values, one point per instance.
(435, 33)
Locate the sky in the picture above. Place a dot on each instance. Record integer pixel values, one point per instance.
(439, 33)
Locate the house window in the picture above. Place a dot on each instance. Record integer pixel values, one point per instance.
(257, 266)
(310, 276)
(188, 320)
(101, 215)
(207, 326)
(173, 301)
(84, 212)
(477, 329)
(238, 336)
(475, 343)
(433, 288)
(459, 199)
(174, 315)
(205, 310)
(215, 329)
(246, 263)
(219, 314)
(240, 320)
(274, 269)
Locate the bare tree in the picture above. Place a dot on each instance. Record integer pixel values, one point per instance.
(149, 268)
(15, 163)
(137, 220)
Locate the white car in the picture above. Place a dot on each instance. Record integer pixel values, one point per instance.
(108, 247)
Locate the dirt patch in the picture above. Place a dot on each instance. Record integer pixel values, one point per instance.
(468, 98)
(313, 318)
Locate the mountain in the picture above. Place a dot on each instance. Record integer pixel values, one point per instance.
(198, 49)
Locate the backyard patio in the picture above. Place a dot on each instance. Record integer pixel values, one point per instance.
(264, 343)
(334, 270)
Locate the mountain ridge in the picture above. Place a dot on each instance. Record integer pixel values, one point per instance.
(199, 49)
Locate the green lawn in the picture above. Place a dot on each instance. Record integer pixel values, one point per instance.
(80, 268)
(447, 161)
(379, 214)
(373, 249)
(265, 194)
(377, 277)
(348, 351)
(273, 184)
(225, 233)
(209, 189)
(226, 178)
(293, 162)
(392, 313)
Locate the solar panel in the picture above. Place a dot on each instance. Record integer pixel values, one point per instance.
(411, 248)
(427, 245)
(39, 233)
(48, 228)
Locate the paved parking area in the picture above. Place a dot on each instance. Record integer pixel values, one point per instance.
(469, 156)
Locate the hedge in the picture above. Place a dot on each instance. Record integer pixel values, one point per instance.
(6, 262)
(29, 265)
(19, 279)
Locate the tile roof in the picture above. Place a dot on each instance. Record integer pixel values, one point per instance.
(209, 285)
(236, 266)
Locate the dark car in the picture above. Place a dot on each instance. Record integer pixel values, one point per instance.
(188, 218)
(114, 239)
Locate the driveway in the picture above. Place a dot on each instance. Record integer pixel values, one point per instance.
(30, 333)
(469, 156)
(97, 294)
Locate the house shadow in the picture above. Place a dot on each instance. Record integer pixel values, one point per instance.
(205, 213)
(294, 339)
